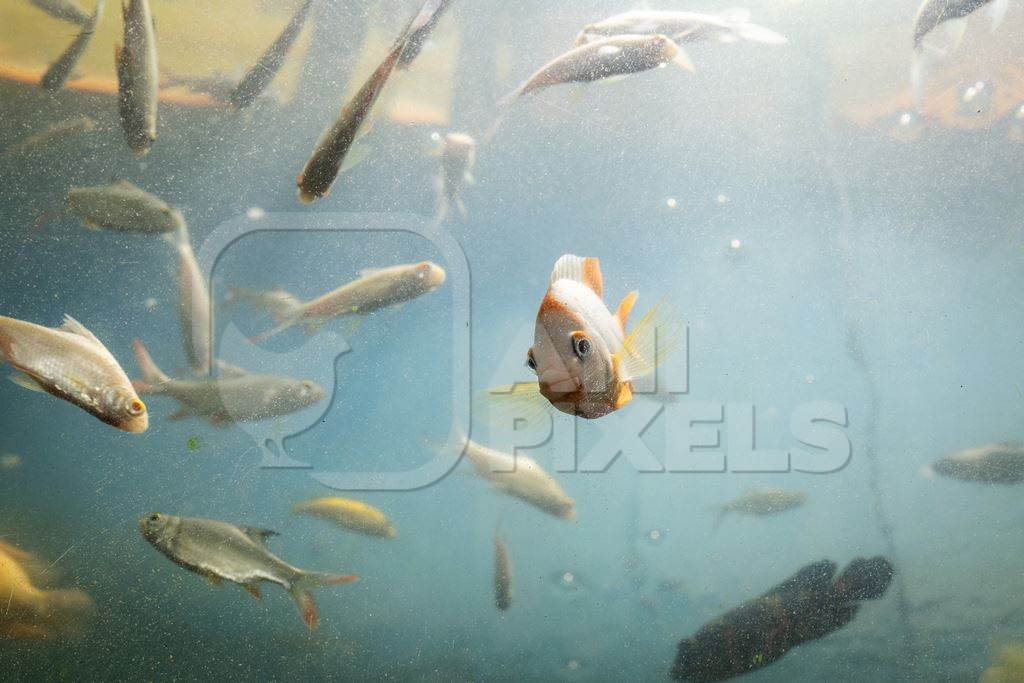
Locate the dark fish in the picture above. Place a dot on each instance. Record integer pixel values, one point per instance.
(262, 73)
(64, 10)
(325, 162)
(57, 75)
(414, 45)
(502, 576)
(932, 13)
(137, 77)
(807, 606)
(1001, 463)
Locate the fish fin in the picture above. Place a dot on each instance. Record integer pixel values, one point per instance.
(253, 590)
(357, 154)
(721, 512)
(917, 79)
(179, 414)
(585, 270)
(625, 307)
(74, 327)
(221, 419)
(215, 580)
(311, 327)
(647, 346)
(468, 178)
(519, 401)
(257, 535)
(152, 375)
(273, 332)
(956, 29)
(304, 599)
(625, 395)
(26, 382)
(368, 272)
(90, 224)
(226, 370)
(758, 34)
(682, 60)
(998, 12)
(735, 15)
(461, 208)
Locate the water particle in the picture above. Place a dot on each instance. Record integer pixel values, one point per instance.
(722, 199)
(193, 444)
(573, 665)
(735, 244)
(255, 213)
(150, 304)
(809, 379)
(671, 203)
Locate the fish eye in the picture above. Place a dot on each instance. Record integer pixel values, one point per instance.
(531, 362)
(136, 407)
(582, 346)
(155, 517)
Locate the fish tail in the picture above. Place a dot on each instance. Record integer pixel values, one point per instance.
(152, 375)
(273, 332)
(721, 512)
(307, 581)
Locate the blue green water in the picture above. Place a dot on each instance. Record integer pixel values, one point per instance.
(919, 247)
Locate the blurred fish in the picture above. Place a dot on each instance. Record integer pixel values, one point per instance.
(458, 157)
(69, 362)
(325, 162)
(218, 550)
(414, 45)
(375, 289)
(58, 131)
(10, 461)
(761, 502)
(194, 311)
(502, 575)
(349, 514)
(124, 207)
(137, 77)
(30, 612)
(59, 71)
(683, 27)
(605, 58)
(521, 477)
(234, 396)
(1008, 667)
(1001, 463)
(65, 10)
(584, 360)
(269, 64)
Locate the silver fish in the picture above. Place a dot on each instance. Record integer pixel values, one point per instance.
(234, 396)
(221, 551)
(137, 77)
(375, 289)
(605, 58)
(502, 576)
(66, 10)
(124, 207)
(57, 75)
(263, 72)
(521, 477)
(1001, 463)
(76, 125)
(458, 157)
(69, 362)
(683, 27)
(194, 311)
(325, 162)
(761, 502)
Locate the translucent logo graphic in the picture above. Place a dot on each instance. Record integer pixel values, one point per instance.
(274, 396)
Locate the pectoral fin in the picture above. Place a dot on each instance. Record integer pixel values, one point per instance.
(257, 535)
(26, 382)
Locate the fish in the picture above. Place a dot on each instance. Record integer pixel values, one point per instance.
(269, 64)
(761, 502)
(124, 207)
(69, 362)
(1000, 463)
(521, 477)
(30, 612)
(137, 77)
(375, 289)
(325, 162)
(194, 312)
(239, 554)
(458, 157)
(418, 38)
(59, 72)
(502, 575)
(10, 461)
(75, 125)
(604, 58)
(584, 359)
(235, 395)
(348, 514)
(682, 27)
(65, 10)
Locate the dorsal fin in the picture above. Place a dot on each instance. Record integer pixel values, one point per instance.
(580, 269)
(625, 307)
(74, 327)
(257, 535)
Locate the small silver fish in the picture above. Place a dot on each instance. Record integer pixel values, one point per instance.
(69, 362)
(59, 72)
(65, 10)
(221, 551)
(194, 312)
(458, 157)
(683, 27)
(266, 68)
(234, 396)
(761, 502)
(375, 289)
(521, 477)
(137, 77)
(502, 575)
(1001, 463)
(124, 207)
(67, 128)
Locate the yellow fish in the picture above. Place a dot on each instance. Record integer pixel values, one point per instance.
(349, 514)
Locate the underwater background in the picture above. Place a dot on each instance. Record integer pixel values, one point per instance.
(798, 220)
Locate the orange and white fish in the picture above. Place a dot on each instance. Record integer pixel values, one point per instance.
(584, 359)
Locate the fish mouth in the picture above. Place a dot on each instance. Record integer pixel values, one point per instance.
(135, 425)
